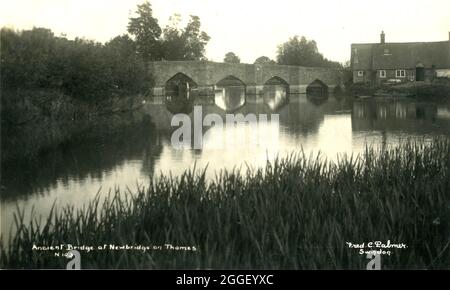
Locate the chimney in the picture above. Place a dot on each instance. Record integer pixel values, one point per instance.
(382, 37)
(449, 36)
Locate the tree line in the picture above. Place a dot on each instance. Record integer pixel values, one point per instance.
(296, 51)
(84, 69)
(89, 70)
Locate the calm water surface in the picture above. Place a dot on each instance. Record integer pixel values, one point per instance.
(74, 173)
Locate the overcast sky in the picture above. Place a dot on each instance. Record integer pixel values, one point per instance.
(250, 28)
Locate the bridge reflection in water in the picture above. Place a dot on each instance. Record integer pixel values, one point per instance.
(181, 91)
(276, 93)
(317, 89)
(221, 87)
(137, 154)
(229, 93)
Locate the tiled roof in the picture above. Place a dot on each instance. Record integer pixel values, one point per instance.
(402, 55)
(362, 56)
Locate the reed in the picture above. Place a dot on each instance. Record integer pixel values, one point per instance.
(297, 212)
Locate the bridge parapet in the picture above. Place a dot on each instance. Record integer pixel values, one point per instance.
(207, 74)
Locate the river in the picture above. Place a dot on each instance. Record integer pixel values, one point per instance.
(73, 174)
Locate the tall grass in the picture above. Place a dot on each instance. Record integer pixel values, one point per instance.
(296, 213)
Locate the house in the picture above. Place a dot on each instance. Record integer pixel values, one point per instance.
(399, 62)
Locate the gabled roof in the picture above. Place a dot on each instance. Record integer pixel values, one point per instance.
(363, 52)
(402, 55)
(409, 55)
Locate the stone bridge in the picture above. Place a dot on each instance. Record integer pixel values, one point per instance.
(206, 75)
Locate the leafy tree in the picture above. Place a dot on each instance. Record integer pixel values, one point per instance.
(24, 57)
(86, 72)
(172, 42)
(264, 60)
(184, 44)
(128, 68)
(196, 40)
(91, 71)
(83, 69)
(302, 52)
(146, 31)
(231, 57)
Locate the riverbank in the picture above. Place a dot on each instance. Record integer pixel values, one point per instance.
(439, 90)
(35, 121)
(421, 90)
(296, 213)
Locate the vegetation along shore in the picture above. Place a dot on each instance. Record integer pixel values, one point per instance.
(297, 212)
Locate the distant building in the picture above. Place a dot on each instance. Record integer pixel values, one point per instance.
(400, 62)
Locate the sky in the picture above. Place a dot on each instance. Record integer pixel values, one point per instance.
(249, 28)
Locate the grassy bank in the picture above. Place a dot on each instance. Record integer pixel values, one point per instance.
(296, 213)
(437, 90)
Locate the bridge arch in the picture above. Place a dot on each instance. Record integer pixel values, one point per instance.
(230, 93)
(275, 92)
(180, 92)
(317, 88)
(207, 74)
(179, 84)
(230, 80)
(276, 80)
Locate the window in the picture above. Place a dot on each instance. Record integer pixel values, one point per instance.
(382, 73)
(400, 73)
(386, 51)
(355, 60)
(360, 73)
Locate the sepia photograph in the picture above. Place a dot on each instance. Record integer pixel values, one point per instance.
(236, 135)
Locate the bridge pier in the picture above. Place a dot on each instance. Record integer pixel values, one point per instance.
(249, 90)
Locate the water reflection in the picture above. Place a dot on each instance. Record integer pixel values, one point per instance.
(180, 93)
(406, 116)
(276, 93)
(229, 94)
(317, 90)
(73, 173)
(316, 100)
(87, 156)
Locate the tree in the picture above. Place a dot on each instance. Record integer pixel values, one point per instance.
(196, 40)
(231, 57)
(24, 57)
(172, 43)
(302, 52)
(128, 69)
(184, 44)
(264, 60)
(146, 31)
(86, 70)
